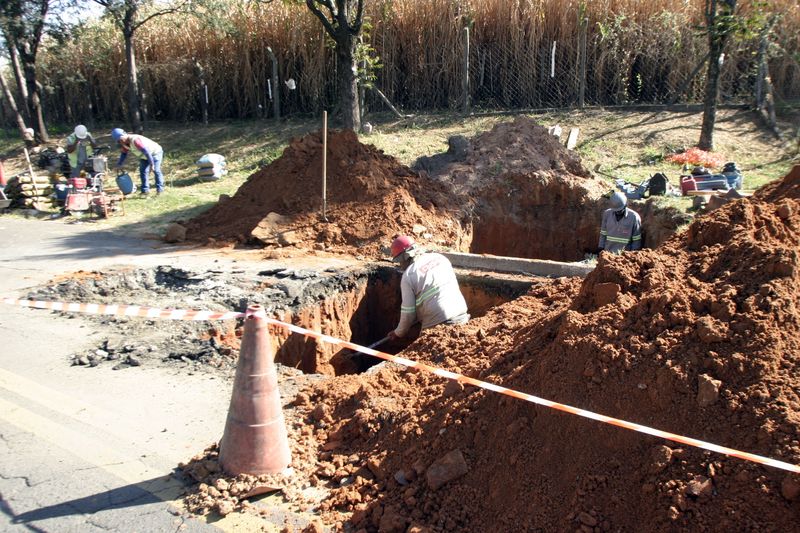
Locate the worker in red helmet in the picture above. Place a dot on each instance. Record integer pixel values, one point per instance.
(429, 288)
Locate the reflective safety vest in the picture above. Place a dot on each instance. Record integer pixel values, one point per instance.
(85, 144)
(623, 234)
(430, 293)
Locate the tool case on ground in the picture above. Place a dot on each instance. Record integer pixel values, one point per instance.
(706, 182)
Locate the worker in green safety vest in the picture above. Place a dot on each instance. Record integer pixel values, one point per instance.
(621, 227)
(80, 147)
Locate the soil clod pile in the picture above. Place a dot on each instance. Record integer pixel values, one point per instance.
(370, 198)
(699, 337)
(532, 197)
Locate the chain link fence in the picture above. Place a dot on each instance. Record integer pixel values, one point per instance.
(589, 70)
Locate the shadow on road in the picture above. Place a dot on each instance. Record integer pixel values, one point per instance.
(157, 490)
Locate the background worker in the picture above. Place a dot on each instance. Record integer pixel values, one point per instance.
(621, 228)
(150, 156)
(429, 288)
(80, 147)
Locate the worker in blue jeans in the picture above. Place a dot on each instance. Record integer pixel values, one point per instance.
(150, 156)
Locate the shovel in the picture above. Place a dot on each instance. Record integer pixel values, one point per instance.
(375, 344)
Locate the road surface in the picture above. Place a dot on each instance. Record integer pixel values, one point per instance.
(91, 449)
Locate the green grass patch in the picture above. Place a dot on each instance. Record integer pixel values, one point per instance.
(627, 145)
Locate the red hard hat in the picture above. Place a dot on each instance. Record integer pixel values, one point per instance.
(401, 244)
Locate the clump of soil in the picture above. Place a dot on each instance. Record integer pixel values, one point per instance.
(370, 198)
(699, 337)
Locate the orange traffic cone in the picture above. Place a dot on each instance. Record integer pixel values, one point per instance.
(255, 440)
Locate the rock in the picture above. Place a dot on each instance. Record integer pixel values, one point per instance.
(400, 477)
(673, 513)
(293, 291)
(457, 146)
(790, 487)
(391, 522)
(225, 507)
(453, 387)
(660, 457)
(710, 330)
(418, 229)
(707, 390)
(606, 293)
(587, 519)
(175, 233)
(376, 467)
(445, 469)
(289, 238)
(320, 412)
(784, 211)
(700, 486)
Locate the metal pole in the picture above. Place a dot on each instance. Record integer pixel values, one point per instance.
(582, 22)
(276, 97)
(324, 165)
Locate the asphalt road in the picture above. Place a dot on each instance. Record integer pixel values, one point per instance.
(91, 449)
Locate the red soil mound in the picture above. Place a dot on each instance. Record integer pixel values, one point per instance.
(532, 197)
(371, 197)
(699, 338)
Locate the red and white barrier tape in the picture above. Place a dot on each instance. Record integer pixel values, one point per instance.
(176, 314)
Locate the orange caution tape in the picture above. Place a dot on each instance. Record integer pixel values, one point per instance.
(176, 314)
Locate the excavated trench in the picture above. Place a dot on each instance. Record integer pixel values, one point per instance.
(559, 227)
(366, 312)
(359, 305)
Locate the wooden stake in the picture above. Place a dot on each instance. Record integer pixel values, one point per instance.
(324, 165)
(30, 169)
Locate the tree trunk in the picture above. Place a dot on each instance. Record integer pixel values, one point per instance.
(348, 81)
(20, 78)
(134, 112)
(23, 129)
(35, 94)
(710, 100)
(718, 26)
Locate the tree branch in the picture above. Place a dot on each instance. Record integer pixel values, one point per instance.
(356, 27)
(175, 9)
(311, 4)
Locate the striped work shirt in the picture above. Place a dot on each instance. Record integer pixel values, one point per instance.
(623, 234)
(430, 293)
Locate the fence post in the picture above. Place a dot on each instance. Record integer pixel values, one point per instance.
(466, 70)
(582, 23)
(276, 92)
(762, 62)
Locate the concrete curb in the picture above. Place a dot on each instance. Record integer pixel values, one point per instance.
(536, 267)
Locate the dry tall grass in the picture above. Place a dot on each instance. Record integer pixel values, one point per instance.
(636, 52)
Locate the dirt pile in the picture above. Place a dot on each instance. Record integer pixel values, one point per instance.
(370, 198)
(699, 338)
(530, 196)
(516, 147)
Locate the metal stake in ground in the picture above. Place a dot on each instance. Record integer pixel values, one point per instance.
(324, 165)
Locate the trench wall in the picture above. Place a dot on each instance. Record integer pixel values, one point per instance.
(366, 314)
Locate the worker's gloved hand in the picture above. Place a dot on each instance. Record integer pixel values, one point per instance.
(392, 336)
